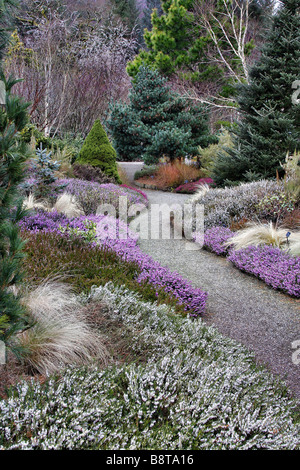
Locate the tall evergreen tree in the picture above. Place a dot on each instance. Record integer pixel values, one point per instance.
(13, 117)
(127, 10)
(207, 44)
(6, 7)
(157, 122)
(169, 40)
(270, 124)
(150, 5)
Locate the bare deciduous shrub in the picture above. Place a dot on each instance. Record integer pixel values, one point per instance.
(172, 175)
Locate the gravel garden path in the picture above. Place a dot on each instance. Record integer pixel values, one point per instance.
(239, 306)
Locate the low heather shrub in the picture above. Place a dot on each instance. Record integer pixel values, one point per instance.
(135, 189)
(81, 264)
(275, 267)
(225, 206)
(91, 173)
(198, 390)
(91, 194)
(215, 239)
(193, 187)
(275, 206)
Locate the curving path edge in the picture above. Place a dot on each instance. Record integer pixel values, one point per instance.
(240, 306)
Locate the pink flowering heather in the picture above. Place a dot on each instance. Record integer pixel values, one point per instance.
(272, 265)
(191, 187)
(214, 239)
(134, 189)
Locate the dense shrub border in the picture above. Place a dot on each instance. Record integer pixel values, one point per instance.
(272, 265)
(198, 390)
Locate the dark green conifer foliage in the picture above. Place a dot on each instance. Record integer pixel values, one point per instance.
(150, 5)
(13, 118)
(270, 124)
(169, 39)
(157, 122)
(97, 151)
(128, 11)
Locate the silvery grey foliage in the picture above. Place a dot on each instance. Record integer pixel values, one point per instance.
(198, 390)
(222, 206)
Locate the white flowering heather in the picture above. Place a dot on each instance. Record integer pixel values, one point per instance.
(198, 390)
(225, 205)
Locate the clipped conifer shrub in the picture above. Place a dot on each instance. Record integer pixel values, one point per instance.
(98, 152)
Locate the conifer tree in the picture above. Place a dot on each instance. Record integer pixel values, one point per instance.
(128, 11)
(157, 122)
(13, 118)
(201, 40)
(150, 5)
(270, 124)
(169, 40)
(97, 151)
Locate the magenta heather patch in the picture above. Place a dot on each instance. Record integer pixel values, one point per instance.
(275, 267)
(214, 239)
(134, 189)
(191, 187)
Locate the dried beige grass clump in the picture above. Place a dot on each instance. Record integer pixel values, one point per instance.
(294, 248)
(201, 191)
(68, 205)
(258, 234)
(262, 234)
(65, 204)
(60, 335)
(31, 203)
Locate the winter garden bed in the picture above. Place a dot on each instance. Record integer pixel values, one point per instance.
(88, 194)
(273, 265)
(114, 235)
(198, 390)
(188, 187)
(194, 389)
(234, 206)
